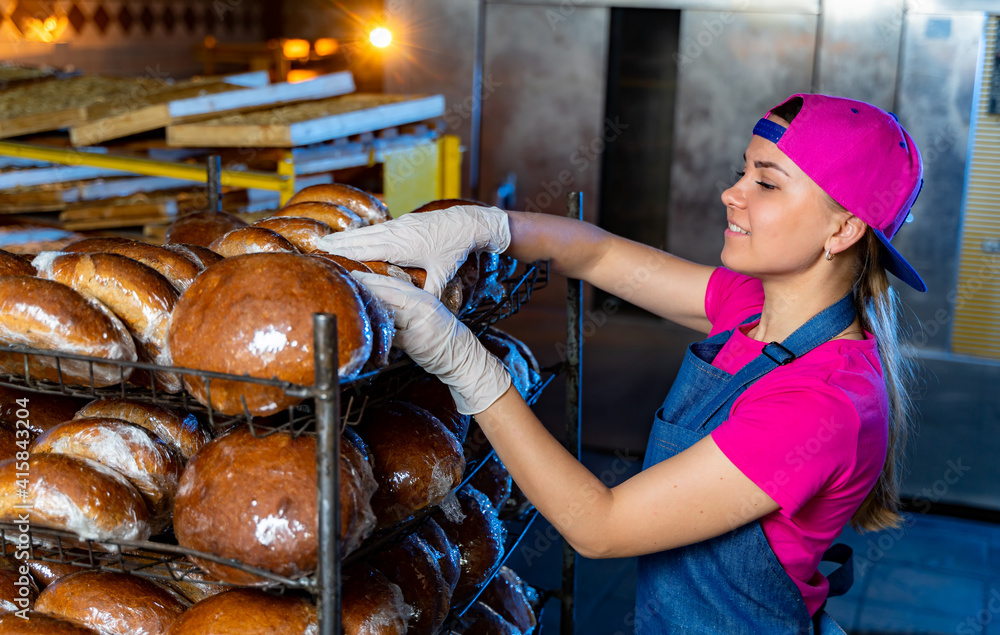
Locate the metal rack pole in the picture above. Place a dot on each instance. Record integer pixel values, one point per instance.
(214, 183)
(327, 472)
(574, 402)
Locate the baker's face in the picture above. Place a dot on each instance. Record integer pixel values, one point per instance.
(779, 219)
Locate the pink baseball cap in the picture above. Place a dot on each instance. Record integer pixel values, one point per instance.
(862, 158)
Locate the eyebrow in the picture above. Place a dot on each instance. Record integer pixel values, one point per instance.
(767, 164)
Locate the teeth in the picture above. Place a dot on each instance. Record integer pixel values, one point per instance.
(737, 228)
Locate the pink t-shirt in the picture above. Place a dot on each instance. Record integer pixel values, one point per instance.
(811, 434)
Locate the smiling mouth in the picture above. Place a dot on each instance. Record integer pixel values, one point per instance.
(738, 229)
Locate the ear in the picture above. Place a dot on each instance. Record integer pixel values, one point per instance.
(851, 230)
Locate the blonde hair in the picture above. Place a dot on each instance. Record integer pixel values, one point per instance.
(877, 306)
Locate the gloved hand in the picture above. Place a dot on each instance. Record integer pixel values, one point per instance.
(437, 241)
(438, 342)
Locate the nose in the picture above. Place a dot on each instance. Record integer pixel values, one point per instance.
(734, 196)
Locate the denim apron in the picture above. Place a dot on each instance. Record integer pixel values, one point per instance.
(732, 583)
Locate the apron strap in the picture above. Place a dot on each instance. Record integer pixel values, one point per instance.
(842, 577)
(819, 329)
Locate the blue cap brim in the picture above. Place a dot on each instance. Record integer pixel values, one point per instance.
(897, 265)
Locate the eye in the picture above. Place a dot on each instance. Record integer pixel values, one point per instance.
(766, 186)
(740, 174)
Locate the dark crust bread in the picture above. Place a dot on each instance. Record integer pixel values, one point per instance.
(372, 604)
(203, 257)
(13, 265)
(480, 619)
(44, 411)
(413, 566)
(95, 244)
(346, 263)
(48, 315)
(17, 591)
(111, 602)
(248, 612)
(254, 314)
(180, 430)
(201, 228)
(271, 525)
(493, 480)
(479, 536)
(151, 465)
(337, 217)
(301, 232)
(45, 573)
(77, 495)
(505, 595)
(445, 203)
(251, 240)
(370, 209)
(448, 557)
(417, 460)
(431, 394)
(40, 624)
(176, 268)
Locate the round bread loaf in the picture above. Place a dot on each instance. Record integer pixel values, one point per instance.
(40, 624)
(176, 268)
(513, 361)
(142, 298)
(47, 315)
(12, 265)
(505, 595)
(337, 217)
(182, 431)
(8, 440)
(417, 460)
(78, 495)
(446, 203)
(431, 394)
(448, 557)
(271, 525)
(44, 411)
(482, 620)
(534, 369)
(94, 244)
(18, 590)
(467, 276)
(493, 480)
(346, 263)
(251, 240)
(45, 573)
(112, 603)
(386, 269)
(254, 314)
(151, 465)
(301, 232)
(370, 209)
(201, 228)
(371, 604)
(412, 565)
(479, 536)
(248, 612)
(202, 257)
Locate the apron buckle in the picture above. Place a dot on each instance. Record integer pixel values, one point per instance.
(785, 356)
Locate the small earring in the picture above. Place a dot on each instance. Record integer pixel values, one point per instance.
(829, 256)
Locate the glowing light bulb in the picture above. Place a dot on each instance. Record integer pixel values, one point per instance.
(51, 24)
(381, 37)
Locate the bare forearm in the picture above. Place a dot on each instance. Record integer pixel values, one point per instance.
(572, 246)
(575, 501)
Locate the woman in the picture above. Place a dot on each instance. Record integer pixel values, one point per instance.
(784, 425)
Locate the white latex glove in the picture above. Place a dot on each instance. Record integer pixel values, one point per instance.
(438, 342)
(437, 241)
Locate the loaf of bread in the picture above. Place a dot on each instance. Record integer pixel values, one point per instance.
(248, 612)
(141, 297)
(44, 410)
(13, 265)
(48, 315)
(505, 594)
(370, 209)
(431, 394)
(447, 555)
(522, 376)
(94, 244)
(337, 217)
(45, 572)
(417, 460)
(40, 624)
(446, 203)
(254, 499)
(254, 314)
(301, 232)
(480, 619)
(479, 535)
(201, 228)
(202, 257)
(534, 369)
(182, 431)
(112, 603)
(346, 263)
(15, 576)
(78, 495)
(493, 480)
(151, 465)
(371, 604)
(8, 440)
(176, 268)
(251, 240)
(413, 566)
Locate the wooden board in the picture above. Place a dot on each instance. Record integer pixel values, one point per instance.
(311, 122)
(54, 197)
(198, 102)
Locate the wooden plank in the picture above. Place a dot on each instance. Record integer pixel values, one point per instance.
(311, 122)
(55, 174)
(197, 102)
